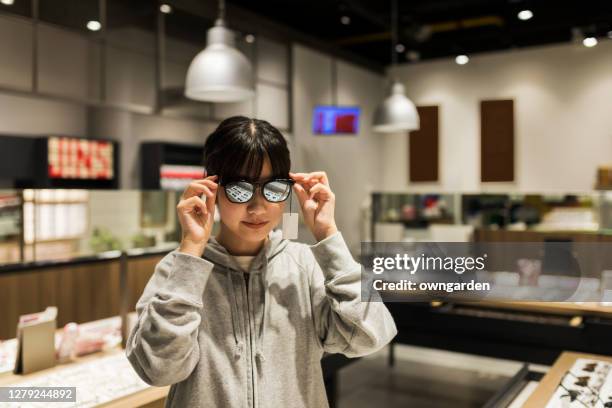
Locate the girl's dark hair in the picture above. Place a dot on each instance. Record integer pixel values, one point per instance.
(239, 145)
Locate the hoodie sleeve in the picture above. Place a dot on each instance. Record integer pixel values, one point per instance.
(163, 345)
(344, 323)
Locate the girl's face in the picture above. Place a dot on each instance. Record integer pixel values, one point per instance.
(253, 220)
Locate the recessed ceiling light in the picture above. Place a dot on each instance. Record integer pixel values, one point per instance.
(7, 2)
(250, 38)
(346, 20)
(94, 25)
(400, 48)
(525, 15)
(165, 8)
(589, 42)
(462, 59)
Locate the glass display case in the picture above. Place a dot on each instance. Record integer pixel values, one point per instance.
(589, 212)
(61, 224)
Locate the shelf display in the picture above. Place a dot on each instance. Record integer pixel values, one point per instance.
(71, 158)
(51, 215)
(72, 162)
(177, 177)
(58, 161)
(170, 166)
(588, 383)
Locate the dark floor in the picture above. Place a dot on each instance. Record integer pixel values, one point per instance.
(370, 383)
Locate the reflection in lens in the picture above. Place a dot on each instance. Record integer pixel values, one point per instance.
(276, 191)
(239, 192)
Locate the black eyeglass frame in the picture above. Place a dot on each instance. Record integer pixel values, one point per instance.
(260, 186)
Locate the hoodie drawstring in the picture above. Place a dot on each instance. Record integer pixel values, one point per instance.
(238, 342)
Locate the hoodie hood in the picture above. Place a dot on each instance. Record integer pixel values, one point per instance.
(218, 255)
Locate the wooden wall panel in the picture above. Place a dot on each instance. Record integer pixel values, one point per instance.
(423, 147)
(497, 140)
(82, 293)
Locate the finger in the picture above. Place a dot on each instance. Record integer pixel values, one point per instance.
(317, 175)
(301, 193)
(322, 190)
(210, 204)
(202, 207)
(192, 188)
(191, 204)
(297, 175)
(199, 188)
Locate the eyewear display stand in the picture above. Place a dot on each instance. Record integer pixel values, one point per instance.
(581, 388)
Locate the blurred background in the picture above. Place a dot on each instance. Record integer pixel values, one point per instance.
(435, 120)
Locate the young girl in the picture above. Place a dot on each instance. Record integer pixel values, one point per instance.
(242, 319)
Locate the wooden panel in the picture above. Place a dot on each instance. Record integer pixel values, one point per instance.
(423, 147)
(81, 293)
(497, 140)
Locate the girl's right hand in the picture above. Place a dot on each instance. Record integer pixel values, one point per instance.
(196, 215)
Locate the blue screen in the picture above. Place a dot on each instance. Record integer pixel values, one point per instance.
(331, 120)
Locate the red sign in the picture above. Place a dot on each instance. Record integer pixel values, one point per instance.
(71, 158)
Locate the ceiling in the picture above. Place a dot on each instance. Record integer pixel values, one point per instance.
(427, 28)
(437, 28)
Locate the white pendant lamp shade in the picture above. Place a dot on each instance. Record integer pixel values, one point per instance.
(397, 113)
(220, 73)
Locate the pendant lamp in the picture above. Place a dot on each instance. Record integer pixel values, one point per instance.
(220, 73)
(396, 113)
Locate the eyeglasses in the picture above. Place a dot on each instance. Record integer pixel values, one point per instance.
(241, 191)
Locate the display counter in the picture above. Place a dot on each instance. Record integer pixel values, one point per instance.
(536, 332)
(107, 379)
(84, 289)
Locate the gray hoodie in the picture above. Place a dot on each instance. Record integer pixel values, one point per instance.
(223, 343)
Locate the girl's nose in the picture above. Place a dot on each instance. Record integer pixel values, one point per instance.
(257, 203)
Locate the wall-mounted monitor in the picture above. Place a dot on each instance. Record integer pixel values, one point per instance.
(335, 120)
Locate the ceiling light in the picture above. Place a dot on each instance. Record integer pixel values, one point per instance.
(250, 38)
(220, 73)
(589, 42)
(7, 2)
(525, 15)
(400, 48)
(462, 59)
(396, 113)
(94, 25)
(165, 8)
(346, 20)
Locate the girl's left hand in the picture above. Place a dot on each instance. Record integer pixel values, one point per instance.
(317, 202)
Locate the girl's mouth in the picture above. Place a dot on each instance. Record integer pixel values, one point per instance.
(255, 225)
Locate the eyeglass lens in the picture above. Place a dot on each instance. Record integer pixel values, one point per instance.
(242, 191)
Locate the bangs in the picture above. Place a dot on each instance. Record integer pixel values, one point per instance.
(239, 146)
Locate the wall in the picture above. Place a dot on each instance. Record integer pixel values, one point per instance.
(28, 115)
(353, 163)
(563, 125)
(72, 99)
(70, 80)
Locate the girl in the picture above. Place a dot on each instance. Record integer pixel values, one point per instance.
(242, 319)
